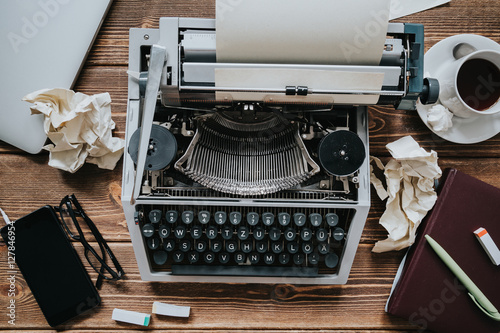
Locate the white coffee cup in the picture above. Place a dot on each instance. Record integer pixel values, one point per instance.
(483, 88)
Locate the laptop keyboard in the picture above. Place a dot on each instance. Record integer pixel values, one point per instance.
(262, 241)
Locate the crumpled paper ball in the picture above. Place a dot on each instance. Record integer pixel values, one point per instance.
(439, 118)
(410, 192)
(79, 127)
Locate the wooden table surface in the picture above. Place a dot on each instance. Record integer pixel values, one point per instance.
(27, 183)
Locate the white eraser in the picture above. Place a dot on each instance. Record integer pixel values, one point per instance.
(488, 245)
(171, 310)
(131, 317)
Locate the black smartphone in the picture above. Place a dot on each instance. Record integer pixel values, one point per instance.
(50, 265)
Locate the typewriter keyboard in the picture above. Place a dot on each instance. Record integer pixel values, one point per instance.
(263, 241)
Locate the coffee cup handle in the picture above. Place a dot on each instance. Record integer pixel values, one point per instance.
(462, 49)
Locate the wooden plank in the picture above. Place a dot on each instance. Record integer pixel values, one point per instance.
(366, 290)
(111, 46)
(27, 183)
(234, 306)
(385, 124)
(225, 331)
(43, 185)
(102, 200)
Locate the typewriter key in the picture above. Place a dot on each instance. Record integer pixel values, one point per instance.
(269, 258)
(338, 234)
(292, 247)
(155, 216)
(259, 233)
(224, 257)
(208, 257)
(231, 246)
(148, 230)
(306, 234)
(220, 217)
(290, 234)
(284, 219)
(180, 231)
(246, 246)
(332, 219)
(196, 232)
(268, 218)
(216, 246)
(254, 258)
(284, 258)
(185, 245)
(153, 243)
(211, 232)
(243, 232)
(235, 218)
(227, 232)
(315, 219)
(169, 245)
(204, 216)
(171, 216)
(321, 235)
(193, 257)
(187, 216)
(253, 218)
(160, 257)
(331, 260)
(201, 246)
(277, 247)
(178, 256)
(299, 219)
(323, 248)
(274, 234)
(313, 258)
(298, 259)
(307, 247)
(239, 258)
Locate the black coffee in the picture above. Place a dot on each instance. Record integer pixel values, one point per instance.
(478, 83)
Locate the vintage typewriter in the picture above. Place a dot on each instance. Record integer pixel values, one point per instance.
(250, 184)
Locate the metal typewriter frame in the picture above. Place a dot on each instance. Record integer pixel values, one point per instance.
(361, 207)
(406, 96)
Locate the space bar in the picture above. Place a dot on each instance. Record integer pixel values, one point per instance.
(244, 270)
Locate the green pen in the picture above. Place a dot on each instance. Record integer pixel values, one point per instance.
(477, 295)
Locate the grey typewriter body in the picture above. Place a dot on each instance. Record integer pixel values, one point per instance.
(259, 189)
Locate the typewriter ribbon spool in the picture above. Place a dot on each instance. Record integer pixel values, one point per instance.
(341, 153)
(161, 151)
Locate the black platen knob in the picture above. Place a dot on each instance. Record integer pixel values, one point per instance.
(430, 91)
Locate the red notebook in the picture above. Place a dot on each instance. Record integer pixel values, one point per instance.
(425, 291)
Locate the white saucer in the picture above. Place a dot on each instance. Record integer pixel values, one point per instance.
(464, 130)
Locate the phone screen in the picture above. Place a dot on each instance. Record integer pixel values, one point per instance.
(51, 266)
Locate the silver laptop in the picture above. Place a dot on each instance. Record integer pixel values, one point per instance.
(43, 45)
